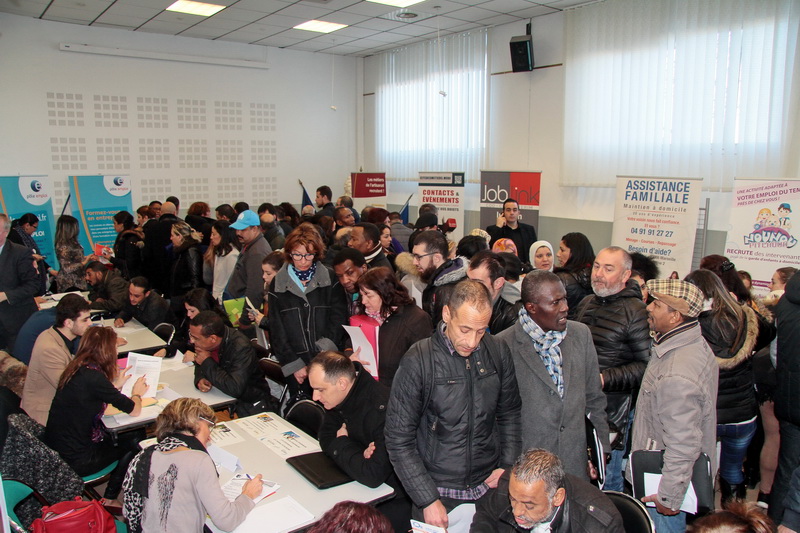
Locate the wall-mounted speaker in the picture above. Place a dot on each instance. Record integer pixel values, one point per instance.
(522, 53)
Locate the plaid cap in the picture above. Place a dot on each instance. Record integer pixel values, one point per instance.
(678, 294)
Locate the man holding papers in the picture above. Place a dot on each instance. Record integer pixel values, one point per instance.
(225, 359)
(676, 410)
(352, 431)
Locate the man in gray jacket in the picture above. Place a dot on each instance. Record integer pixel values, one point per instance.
(676, 410)
(246, 277)
(557, 373)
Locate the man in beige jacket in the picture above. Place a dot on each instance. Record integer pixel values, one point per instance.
(51, 354)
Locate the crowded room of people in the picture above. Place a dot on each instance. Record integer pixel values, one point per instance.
(457, 266)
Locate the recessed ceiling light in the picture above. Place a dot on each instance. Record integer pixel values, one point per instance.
(320, 26)
(195, 8)
(407, 15)
(396, 3)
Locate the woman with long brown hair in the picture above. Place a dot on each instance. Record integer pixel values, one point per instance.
(75, 429)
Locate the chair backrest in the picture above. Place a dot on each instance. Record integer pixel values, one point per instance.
(307, 415)
(14, 492)
(272, 370)
(165, 331)
(635, 517)
(26, 458)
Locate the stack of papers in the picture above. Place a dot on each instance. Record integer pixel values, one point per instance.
(233, 488)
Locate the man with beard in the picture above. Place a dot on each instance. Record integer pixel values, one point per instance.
(538, 495)
(557, 374)
(430, 253)
(617, 318)
(246, 278)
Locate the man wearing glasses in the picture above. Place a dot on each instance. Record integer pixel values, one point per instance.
(430, 253)
(246, 278)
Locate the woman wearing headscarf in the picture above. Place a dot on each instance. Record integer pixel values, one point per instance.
(542, 256)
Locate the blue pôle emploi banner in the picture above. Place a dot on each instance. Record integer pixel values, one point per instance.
(95, 200)
(32, 194)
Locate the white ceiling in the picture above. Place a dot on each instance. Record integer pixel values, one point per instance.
(371, 27)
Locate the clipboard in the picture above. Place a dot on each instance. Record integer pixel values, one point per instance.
(652, 461)
(596, 453)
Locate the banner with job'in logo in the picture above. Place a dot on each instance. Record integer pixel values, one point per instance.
(95, 199)
(32, 194)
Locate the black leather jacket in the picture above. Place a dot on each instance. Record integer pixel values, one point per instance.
(621, 337)
(452, 419)
(504, 315)
(187, 269)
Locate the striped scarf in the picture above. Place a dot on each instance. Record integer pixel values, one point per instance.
(546, 345)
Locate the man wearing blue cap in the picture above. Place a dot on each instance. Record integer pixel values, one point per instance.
(246, 278)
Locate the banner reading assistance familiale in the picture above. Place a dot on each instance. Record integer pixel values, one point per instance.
(762, 238)
(658, 217)
(95, 199)
(31, 194)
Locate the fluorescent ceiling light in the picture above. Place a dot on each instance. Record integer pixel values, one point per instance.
(396, 3)
(320, 26)
(195, 8)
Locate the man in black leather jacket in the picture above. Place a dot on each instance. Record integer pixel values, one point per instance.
(617, 318)
(225, 359)
(352, 430)
(537, 491)
(453, 422)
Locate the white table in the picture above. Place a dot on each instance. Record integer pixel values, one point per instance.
(53, 299)
(179, 378)
(137, 335)
(258, 458)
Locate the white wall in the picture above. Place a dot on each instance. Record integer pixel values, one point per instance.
(526, 129)
(311, 142)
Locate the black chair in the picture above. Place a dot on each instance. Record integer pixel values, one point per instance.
(635, 517)
(306, 415)
(165, 331)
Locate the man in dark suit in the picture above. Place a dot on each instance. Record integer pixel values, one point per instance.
(19, 283)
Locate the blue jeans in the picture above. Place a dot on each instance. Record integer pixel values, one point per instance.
(615, 479)
(734, 438)
(668, 524)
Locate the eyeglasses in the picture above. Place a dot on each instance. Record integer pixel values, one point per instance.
(298, 257)
(211, 423)
(417, 257)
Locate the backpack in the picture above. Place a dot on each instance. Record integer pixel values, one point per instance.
(75, 516)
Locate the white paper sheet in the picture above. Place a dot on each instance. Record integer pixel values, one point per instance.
(148, 413)
(129, 328)
(422, 527)
(416, 294)
(460, 518)
(143, 365)
(233, 488)
(224, 435)
(651, 482)
(367, 354)
(224, 458)
(276, 435)
(278, 516)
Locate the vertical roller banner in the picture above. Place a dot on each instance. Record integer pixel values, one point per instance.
(368, 188)
(498, 186)
(445, 190)
(762, 237)
(658, 217)
(32, 194)
(95, 199)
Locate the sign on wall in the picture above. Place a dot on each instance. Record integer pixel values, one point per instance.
(762, 237)
(445, 190)
(95, 199)
(368, 188)
(658, 217)
(32, 194)
(499, 186)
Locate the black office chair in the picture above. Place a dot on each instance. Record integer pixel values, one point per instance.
(165, 331)
(635, 517)
(306, 415)
(272, 372)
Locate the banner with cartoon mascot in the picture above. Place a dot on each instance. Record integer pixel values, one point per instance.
(94, 200)
(31, 194)
(762, 237)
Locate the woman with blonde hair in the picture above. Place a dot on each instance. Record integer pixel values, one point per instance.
(173, 485)
(75, 429)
